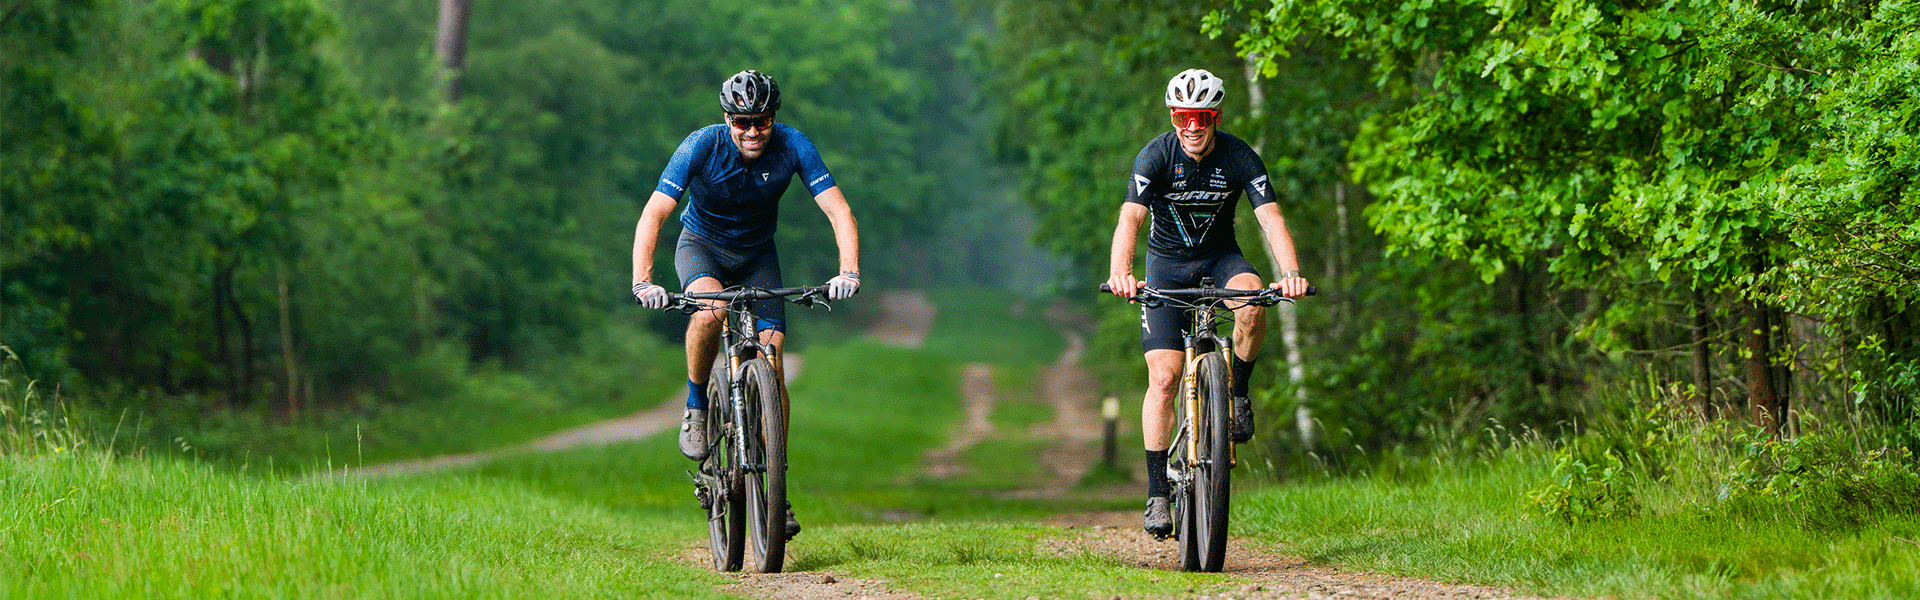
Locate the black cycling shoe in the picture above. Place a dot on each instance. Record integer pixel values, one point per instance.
(793, 524)
(1242, 420)
(1158, 520)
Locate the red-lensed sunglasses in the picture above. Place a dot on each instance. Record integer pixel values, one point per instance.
(1195, 117)
(745, 123)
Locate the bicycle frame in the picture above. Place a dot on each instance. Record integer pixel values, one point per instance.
(743, 476)
(1204, 332)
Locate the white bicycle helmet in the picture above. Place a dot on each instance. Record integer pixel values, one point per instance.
(1195, 88)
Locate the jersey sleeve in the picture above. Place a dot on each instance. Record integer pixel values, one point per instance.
(679, 171)
(1148, 165)
(808, 164)
(1259, 188)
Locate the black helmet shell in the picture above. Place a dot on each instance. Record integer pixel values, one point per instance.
(749, 91)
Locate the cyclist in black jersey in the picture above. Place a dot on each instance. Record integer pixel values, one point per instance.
(1189, 180)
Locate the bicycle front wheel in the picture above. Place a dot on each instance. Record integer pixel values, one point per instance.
(1213, 481)
(726, 500)
(767, 466)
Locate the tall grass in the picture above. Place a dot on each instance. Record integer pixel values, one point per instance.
(1646, 502)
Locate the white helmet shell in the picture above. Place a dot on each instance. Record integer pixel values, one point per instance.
(1195, 88)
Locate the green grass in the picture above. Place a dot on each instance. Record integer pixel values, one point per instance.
(78, 520)
(1475, 526)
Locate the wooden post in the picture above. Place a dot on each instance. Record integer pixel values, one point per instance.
(1109, 446)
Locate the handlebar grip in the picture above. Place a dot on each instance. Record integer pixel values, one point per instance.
(1313, 290)
(1106, 289)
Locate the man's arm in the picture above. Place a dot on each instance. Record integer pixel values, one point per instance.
(846, 230)
(1125, 235)
(1281, 244)
(646, 234)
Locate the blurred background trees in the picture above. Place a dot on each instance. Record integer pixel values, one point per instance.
(1516, 211)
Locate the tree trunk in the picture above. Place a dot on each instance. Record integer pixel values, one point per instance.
(220, 292)
(1702, 369)
(1763, 402)
(286, 348)
(1289, 320)
(247, 377)
(450, 45)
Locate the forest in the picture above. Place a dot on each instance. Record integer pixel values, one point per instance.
(242, 214)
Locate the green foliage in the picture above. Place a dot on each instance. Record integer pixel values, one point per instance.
(1583, 490)
(229, 212)
(1824, 481)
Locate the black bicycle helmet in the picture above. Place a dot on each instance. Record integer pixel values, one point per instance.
(749, 91)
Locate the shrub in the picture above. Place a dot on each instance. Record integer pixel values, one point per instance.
(1586, 489)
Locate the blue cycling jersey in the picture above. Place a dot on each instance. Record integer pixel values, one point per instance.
(735, 202)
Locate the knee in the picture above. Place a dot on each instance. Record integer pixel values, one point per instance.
(704, 320)
(1161, 382)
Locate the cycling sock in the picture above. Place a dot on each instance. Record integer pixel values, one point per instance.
(696, 395)
(1156, 473)
(1242, 371)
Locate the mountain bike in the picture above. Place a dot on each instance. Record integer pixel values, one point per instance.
(1201, 458)
(742, 484)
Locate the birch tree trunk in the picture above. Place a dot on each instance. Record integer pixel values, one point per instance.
(450, 45)
(1289, 320)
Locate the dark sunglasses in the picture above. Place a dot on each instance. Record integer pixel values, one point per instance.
(1198, 117)
(745, 123)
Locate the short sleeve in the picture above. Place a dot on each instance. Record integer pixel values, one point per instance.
(679, 171)
(808, 164)
(1148, 165)
(1259, 188)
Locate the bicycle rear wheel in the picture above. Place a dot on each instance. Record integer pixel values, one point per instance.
(1213, 481)
(1186, 524)
(767, 466)
(726, 501)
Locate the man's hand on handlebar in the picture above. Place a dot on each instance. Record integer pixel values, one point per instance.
(1292, 287)
(843, 286)
(648, 295)
(1124, 285)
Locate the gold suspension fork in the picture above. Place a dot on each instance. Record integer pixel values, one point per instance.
(1189, 379)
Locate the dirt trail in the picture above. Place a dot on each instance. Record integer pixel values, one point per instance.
(905, 318)
(1068, 388)
(638, 425)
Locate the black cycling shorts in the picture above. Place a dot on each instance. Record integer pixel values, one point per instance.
(754, 266)
(1161, 328)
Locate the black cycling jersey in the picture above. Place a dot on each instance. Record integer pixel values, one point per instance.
(1192, 202)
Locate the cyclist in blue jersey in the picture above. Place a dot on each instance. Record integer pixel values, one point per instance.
(736, 172)
(1189, 180)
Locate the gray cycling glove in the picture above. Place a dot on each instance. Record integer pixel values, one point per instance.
(650, 295)
(843, 286)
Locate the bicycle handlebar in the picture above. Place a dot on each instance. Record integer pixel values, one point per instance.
(808, 296)
(752, 294)
(1196, 293)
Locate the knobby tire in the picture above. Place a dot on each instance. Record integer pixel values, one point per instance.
(727, 508)
(1186, 520)
(767, 454)
(1213, 482)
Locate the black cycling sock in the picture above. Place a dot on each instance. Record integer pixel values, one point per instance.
(1242, 371)
(1157, 474)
